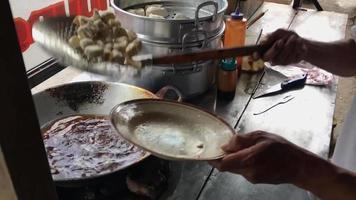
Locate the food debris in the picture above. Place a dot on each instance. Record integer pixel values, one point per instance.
(157, 11)
(84, 145)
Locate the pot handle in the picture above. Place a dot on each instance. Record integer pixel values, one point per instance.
(197, 33)
(208, 3)
(164, 93)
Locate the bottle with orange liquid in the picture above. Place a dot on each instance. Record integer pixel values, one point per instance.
(235, 32)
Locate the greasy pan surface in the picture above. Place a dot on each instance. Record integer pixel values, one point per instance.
(171, 130)
(84, 98)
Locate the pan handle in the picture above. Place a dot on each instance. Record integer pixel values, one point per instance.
(166, 93)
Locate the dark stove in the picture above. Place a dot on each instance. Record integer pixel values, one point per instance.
(150, 176)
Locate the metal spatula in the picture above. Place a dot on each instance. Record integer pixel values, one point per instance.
(53, 34)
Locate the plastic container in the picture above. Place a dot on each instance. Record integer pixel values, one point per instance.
(235, 32)
(227, 79)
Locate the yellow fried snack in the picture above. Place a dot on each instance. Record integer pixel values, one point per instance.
(101, 38)
(251, 65)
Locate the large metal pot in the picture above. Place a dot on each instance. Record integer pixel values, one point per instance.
(206, 15)
(166, 36)
(157, 49)
(191, 79)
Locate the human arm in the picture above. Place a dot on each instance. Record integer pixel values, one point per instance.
(287, 47)
(267, 158)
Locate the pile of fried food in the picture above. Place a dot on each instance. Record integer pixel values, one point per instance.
(101, 38)
(251, 65)
(156, 11)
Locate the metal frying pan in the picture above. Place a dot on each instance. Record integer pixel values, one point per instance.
(92, 98)
(172, 130)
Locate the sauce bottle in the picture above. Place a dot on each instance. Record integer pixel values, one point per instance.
(235, 32)
(227, 79)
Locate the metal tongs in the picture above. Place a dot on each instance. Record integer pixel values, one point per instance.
(53, 33)
(284, 100)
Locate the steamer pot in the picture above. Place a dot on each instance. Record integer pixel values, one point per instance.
(157, 49)
(206, 15)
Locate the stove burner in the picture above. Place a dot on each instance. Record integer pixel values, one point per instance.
(147, 180)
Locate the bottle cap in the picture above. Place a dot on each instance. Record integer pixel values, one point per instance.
(237, 15)
(228, 64)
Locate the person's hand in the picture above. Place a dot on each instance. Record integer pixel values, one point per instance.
(267, 158)
(263, 158)
(287, 47)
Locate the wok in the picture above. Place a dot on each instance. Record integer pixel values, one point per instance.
(89, 98)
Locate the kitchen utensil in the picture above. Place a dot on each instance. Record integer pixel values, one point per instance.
(213, 54)
(285, 99)
(53, 34)
(88, 98)
(204, 15)
(287, 85)
(171, 130)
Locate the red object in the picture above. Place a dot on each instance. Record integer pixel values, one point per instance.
(56, 9)
(23, 29)
(76, 7)
(99, 4)
(80, 7)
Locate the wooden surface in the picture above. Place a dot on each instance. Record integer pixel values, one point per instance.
(230, 111)
(189, 178)
(20, 139)
(249, 7)
(306, 120)
(277, 16)
(320, 26)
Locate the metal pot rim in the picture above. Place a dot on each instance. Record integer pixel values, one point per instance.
(97, 82)
(176, 21)
(189, 44)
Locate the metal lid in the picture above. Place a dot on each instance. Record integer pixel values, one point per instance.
(228, 64)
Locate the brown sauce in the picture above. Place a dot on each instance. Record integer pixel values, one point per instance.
(85, 145)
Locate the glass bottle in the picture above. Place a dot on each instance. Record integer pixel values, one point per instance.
(227, 79)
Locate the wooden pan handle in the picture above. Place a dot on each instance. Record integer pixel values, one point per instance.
(210, 54)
